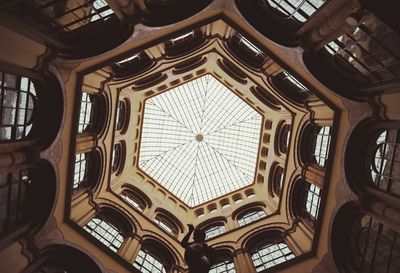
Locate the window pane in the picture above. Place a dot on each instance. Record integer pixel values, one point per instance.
(80, 170)
(223, 267)
(270, 255)
(369, 53)
(251, 216)
(147, 263)
(85, 116)
(321, 145)
(105, 233)
(214, 230)
(300, 10)
(385, 167)
(17, 98)
(313, 200)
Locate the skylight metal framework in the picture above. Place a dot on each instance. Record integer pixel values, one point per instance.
(200, 140)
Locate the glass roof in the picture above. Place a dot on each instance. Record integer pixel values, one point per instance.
(200, 140)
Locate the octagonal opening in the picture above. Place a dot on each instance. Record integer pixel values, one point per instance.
(200, 140)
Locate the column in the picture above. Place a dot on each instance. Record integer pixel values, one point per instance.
(130, 248)
(243, 262)
(338, 21)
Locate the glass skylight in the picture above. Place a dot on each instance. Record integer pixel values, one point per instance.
(200, 140)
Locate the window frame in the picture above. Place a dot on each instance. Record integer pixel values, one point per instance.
(116, 158)
(29, 108)
(258, 212)
(114, 235)
(387, 144)
(280, 245)
(140, 265)
(294, 15)
(86, 113)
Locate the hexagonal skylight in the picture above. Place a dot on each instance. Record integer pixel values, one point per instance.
(200, 140)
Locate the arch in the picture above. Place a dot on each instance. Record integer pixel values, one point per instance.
(213, 227)
(246, 52)
(118, 217)
(249, 213)
(118, 157)
(155, 250)
(266, 97)
(363, 244)
(168, 222)
(138, 195)
(282, 137)
(28, 196)
(223, 261)
(121, 115)
(87, 170)
(276, 177)
(184, 43)
(91, 113)
(306, 199)
(315, 144)
(270, 22)
(110, 226)
(268, 248)
(30, 107)
(364, 60)
(76, 29)
(131, 65)
(371, 162)
(165, 12)
(62, 258)
(290, 87)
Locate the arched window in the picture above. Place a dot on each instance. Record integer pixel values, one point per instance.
(312, 202)
(367, 54)
(250, 216)
(14, 193)
(299, 10)
(270, 254)
(315, 144)
(363, 244)
(182, 44)
(17, 106)
(80, 171)
(306, 201)
(168, 222)
(214, 230)
(385, 166)
(116, 157)
(377, 247)
(62, 259)
(133, 201)
(146, 262)
(105, 232)
(277, 181)
(86, 115)
(120, 116)
(223, 267)
(289, 86)
(294, 82)
(135, 197)
(284, 137)
(248, 53)
(27, 197)
(164, 224)
(321, 143)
